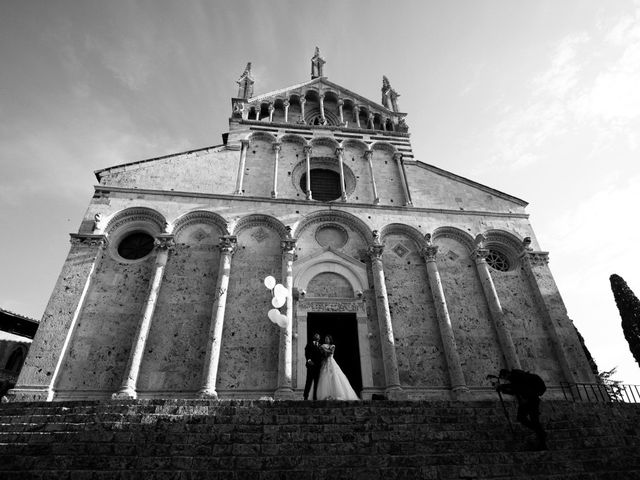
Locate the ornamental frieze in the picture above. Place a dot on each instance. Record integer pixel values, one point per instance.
(320, 306)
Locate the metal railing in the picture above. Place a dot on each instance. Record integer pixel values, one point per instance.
(600, 392)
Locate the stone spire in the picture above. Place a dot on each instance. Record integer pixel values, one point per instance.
(317, 62)
(389, 95)
(245, 83)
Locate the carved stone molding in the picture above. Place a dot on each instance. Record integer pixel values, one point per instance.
(330, 306)
(257, 220)
(200, 217)
(89, 240)
(336, 216)
(454, 234)
(136, 214)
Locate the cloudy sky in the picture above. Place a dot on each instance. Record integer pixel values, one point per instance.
(539, 99)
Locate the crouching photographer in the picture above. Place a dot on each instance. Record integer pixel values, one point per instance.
(527, 388)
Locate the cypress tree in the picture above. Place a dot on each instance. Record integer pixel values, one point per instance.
(629, 308)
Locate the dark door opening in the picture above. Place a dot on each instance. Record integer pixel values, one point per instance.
(343, 327)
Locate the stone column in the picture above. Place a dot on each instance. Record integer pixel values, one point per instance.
(258, 113)
(393, 390)
(343, 191)
(271, 110)
(324, 120)
(163, 244)
(286, 111)
(302, 102)
(227, 247)
(356, 111)
(384, 124)
(285, 357)
(369, 156)
(535, 266)
(307, 152)
(37, 382)
(403, 179)
(276, 149)
(340, 105)
(370, 121)
(243, 161)
(495, 309)
(456, 376)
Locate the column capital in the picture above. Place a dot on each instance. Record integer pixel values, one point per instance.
(340, 102)
(228, 244)
(276, 146)
(480, 253)
(339, 150)
(375, 251)
(271, 107)
(397, 156)
(356, 108)
(429, 252)
(89, 240)
(164, 242)
(321, 95)
(303, 100)
(288, 246)
(370, 116)
(368, 154)
(244, 143)
(535, 259)
(286, 103)
(307, 149)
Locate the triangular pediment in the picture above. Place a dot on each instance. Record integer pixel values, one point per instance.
(330, 260)
(321, 85)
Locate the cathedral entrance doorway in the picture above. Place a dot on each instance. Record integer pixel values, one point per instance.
(343, 327)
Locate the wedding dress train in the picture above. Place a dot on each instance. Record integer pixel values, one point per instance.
(333, 383)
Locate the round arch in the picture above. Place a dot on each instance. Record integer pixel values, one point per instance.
(199, 216)
(263, 220)
(337, 216)
(411, 232)
(456, 234)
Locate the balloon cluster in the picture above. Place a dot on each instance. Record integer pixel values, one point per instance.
(279, 293)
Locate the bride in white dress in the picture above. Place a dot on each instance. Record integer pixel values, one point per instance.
(333, 383)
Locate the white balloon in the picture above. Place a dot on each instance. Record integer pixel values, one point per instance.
(273, 315)
(282, 320)
(278, 301)
(280, 291)
(269, 282)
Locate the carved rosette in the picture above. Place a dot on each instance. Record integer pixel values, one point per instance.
(164, 243)
(89, 240)
(228, 244)
(429, 252)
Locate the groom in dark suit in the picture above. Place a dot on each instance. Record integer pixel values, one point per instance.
(313, 354)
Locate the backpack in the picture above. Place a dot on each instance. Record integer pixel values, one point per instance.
(529, 381)
(537, 384)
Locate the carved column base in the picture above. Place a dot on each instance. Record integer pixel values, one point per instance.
(126, 393)
(376, 201)
(208, 394)
(395, 393)
(343, 198)
(284, 394)
(460, 393)
(309, 197)
(274, 194)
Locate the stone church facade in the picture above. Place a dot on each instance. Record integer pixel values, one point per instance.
(427, 281)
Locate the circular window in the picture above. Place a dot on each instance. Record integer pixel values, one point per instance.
(498, 261)
(325, 184)
(135, 246)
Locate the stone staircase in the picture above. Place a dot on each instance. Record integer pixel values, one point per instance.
(201, 439)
